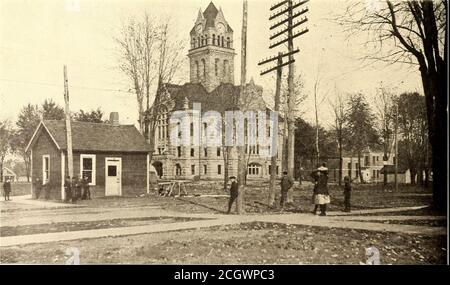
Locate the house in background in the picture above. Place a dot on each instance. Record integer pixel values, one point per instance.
(371, 165)
(9, 174)
(403, 174)
(114, 157)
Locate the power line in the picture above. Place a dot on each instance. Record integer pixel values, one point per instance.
(61, 85)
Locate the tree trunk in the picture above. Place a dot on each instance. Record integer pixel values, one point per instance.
(225, 168)
(361, 178)
(413, 174)
(1, 168)
(341, 162)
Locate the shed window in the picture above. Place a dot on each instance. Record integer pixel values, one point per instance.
(45, 169)
(87, 169)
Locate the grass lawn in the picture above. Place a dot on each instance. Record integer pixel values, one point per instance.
(368, 196)
(260, 243)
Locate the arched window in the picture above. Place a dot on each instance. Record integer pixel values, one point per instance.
(214, 39)
(199, 41)
(206, 39)
(225, 69)
(197, 70)
(228, 42)
(216, 67)
(223, 41)
(254, 169)
(204, 67)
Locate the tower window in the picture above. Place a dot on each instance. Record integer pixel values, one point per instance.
(197, 70)
(228, 42)
(206, 39)
(223, 41)
(216, 67)
(198, 41)
(214, 39)
(225, 69)
(204, 67)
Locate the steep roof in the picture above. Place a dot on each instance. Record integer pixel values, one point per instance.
(210, 14)
(224, 97)
(95, 137)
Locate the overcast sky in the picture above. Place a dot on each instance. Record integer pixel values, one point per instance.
(37, 37)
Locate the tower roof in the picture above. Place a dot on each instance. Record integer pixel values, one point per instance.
(210, 14)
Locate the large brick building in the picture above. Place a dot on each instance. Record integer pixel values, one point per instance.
(212, 86)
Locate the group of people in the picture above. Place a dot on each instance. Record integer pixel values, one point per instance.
(76, 189)
(321, 196)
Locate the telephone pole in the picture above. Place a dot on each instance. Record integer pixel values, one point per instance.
(396, 147)
(286, 14)
(242, 165)
(68, 125)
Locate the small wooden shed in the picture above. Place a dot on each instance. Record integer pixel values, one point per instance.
(114, 158)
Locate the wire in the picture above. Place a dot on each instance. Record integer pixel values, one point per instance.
(72, 86)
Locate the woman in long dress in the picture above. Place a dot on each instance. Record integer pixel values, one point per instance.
(322, 196)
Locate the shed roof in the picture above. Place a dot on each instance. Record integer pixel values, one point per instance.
(95, 137)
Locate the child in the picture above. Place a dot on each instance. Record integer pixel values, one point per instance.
(347, 193)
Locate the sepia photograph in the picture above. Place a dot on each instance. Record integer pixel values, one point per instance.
(224, 132)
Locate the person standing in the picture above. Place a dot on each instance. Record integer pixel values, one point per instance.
(286, 184)
(323, 197)
(68, 189)
(76, 188)
(233, 193)
(347, 193)
(86, 191)
(315, 177)
(7, 189)
(47, 188)
(38, 187)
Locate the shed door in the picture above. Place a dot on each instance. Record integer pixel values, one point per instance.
(113, 177)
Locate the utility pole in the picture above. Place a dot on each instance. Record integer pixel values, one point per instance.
(273, 159)
(242, 165)
(396, 147)
(286, 22)
(68, 125)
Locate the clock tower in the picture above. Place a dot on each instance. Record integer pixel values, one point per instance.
(211, 55)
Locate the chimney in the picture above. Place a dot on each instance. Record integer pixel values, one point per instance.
(114, 118)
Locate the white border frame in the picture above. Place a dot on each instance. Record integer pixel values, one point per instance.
(94, 167)
(120, 174)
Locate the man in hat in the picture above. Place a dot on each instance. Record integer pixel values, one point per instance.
(38, 187)
(7, 189)
(233, 193)
(68, 188)
(286, 184)
(347, 193)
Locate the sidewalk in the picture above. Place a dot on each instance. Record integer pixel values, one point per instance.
(210, 220)
(27, 200)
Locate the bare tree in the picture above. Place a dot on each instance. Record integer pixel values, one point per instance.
(414, 32)
(150, 55)
(384, 105)
(338, 107)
